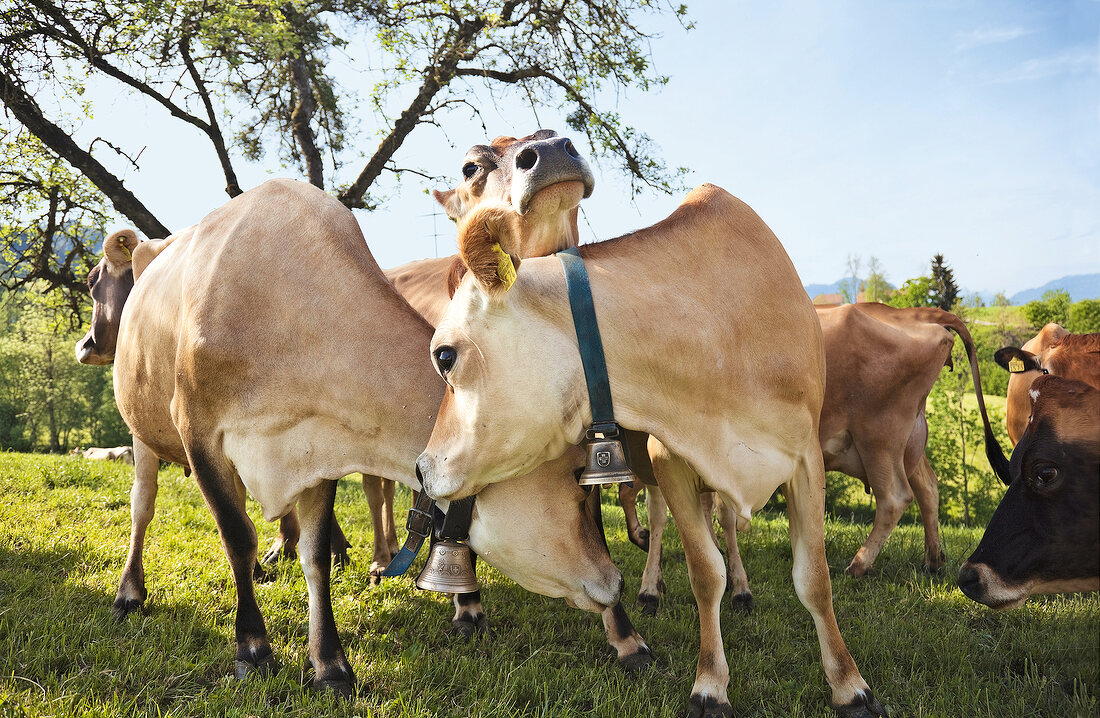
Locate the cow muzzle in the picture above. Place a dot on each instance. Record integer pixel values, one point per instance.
(981, 584)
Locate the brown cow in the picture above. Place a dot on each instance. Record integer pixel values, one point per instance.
(218, 367)
(1052, 351)
(881, 364)
(734, 401)
(1044, 536)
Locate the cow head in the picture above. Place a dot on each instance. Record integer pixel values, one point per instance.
(509, 356)
(559, 550)
(109, 283)
(1044, 536)
(542, 177)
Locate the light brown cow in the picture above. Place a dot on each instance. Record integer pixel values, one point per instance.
(733, 400)
(219, 367)
(881, 363)
(1052, 351)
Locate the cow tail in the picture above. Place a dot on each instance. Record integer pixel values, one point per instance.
(993, 450)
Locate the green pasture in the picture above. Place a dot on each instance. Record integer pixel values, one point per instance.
(925, 649)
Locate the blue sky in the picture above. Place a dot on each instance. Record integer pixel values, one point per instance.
(887, 129)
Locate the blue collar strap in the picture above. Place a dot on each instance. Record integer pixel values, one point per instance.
(591, 346)
(419, 525)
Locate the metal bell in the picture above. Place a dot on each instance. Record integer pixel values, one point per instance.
(606, 463)
(449, 569)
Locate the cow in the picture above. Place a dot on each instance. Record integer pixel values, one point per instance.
(218, 367)
(1052, 351)
(881, 363)
(123, 454)
(731, 402)
(1044, 536)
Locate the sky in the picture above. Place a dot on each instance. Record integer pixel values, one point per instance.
(894, 130)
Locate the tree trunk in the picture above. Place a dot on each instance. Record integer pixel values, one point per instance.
(302, 117)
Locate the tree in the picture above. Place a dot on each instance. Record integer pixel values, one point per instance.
(51, 220)
(876, 288)
(915, 292)
(849, 286)
(1053, 307)
(943, 287)
(254, 76)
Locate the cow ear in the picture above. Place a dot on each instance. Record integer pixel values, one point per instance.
(450, 201)
(119, 248)
(1016, 360)
(454, 276)
(480, 236)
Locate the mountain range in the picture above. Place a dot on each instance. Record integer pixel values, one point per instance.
(1079, 286)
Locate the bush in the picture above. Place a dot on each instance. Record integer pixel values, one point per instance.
(1084, 317)
(1053, 307)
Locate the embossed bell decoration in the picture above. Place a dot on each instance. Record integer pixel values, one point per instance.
(606, 463)
(449, 569)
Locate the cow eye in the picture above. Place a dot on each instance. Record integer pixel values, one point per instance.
(469, 169)
(1046, 474)
(445, 358)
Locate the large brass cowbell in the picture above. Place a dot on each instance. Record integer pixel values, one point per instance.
(606, 462)
(449, 569)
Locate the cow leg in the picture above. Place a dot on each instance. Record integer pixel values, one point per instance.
(926, 487)
(630, 649)
(653, 582)
(628, 497)
(737, 582)
(708, 582)
(338, 543)
(380, 502)
(331, 669)
(806, 508)
(225, 496)
(886, 477)
(143, 496)
(469, 617)
(285, 544)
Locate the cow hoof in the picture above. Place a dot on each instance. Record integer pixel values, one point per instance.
(708, 707)
(641, 540)
(858, 570)
(259, 575)
(340, 681)
(376, 577)
(340, 559)
(264, 667)
(278, 552)
(123, 607)
(743, 602)
(637, 662)
(864, 706)
(648, 604)
(469, 627)
(935, 567)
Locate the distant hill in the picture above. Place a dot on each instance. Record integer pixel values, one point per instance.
(1079, 286)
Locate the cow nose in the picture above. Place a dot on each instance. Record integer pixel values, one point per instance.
(970, 582)
(554, 149)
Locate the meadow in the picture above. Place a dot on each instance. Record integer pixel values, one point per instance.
(925, 649)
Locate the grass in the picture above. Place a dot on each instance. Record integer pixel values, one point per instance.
(925, 649)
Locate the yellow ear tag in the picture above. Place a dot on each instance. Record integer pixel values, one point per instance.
(1015, 365)
(505, 269)
(126, 249)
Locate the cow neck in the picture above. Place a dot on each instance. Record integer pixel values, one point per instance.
(540, 238)
(589, 343)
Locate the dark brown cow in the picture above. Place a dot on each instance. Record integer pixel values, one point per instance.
(1052, 351)
(1044, 536)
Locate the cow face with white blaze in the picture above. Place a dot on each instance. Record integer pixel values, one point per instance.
(109, 283)
(1044, 536)
(488, 395)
